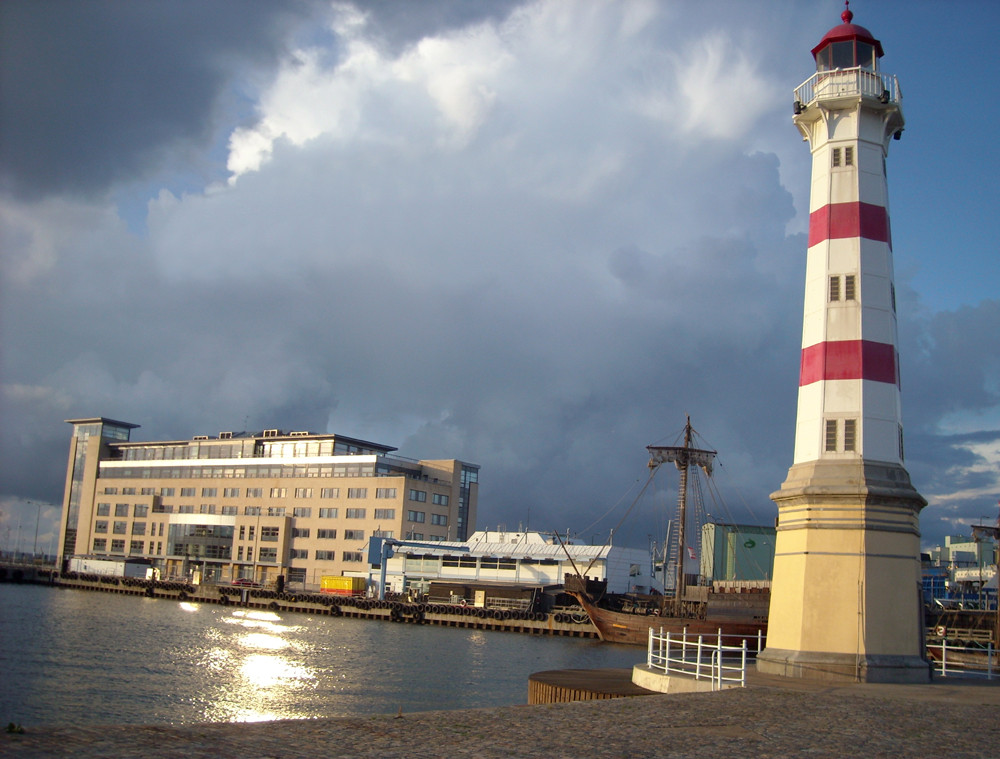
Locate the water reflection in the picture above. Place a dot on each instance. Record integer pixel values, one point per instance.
(97, 658)
(258, 670)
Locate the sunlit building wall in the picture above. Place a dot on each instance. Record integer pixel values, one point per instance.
(255, 506)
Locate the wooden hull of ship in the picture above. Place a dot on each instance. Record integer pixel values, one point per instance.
(633, 629)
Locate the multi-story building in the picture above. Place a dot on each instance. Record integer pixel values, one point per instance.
(296, 504)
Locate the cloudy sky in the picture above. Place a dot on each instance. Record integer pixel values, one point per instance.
(531, 235)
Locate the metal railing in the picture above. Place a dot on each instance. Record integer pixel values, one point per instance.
(698, 658)
(963, 661)
(847, 82)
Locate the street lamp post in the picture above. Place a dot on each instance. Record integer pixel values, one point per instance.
(38, 515)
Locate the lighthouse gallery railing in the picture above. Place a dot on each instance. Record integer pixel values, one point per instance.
(848, 82)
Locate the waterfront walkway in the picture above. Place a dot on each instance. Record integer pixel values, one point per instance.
(772, 717)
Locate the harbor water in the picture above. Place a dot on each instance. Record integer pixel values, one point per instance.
(78, 657)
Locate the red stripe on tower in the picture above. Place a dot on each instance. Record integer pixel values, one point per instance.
(847, 360)
(836, 221)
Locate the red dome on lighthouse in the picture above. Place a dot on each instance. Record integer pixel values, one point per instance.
(847, 45)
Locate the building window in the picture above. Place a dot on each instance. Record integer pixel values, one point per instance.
(101, 525)
(269, 534)
(440, 500)
(117, 546)
(385, 513)
(137, 546)
(230, 492)
(121, 509)
(326, 555)
(834, 289)
(850, 287)
(385, 492)
(120, 528)
(278, 492)
(104, 509)
(110, 491)
(327, 513)
(382, 533)
(303, 492)
(354, 534)
(835, 162)
(831, 435)
(230, 511)
(439, 519)
(298, 553)
(326, 534)
(128, 491)
(268, 555)
(100, 545)
(849, 156)
(416, 516)
(209, 492)
(255, 492)
(187, 492)
(302, 511)
(353, 556)
(418, 495)
(416, 535)
(356, 513)
(329, 493)
(850, 434)
(249, 553)
(147, 491)
(251, 511)
(300, 532)
(243, 532)
(239, 553)
(182, 509)
(206, 508)
(167, 492)
(141, 510)
(357, 492)
(138, 528)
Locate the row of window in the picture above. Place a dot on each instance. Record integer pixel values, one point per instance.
(848, 155)
(850, 288)
(438, 499)
(122, 509)
(841, 435)
(262, 471)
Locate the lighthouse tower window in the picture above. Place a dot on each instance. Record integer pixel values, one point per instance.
(849, 156)
(850, 287)
(831, 435)
(834, 289)
(836, 157)
(850, 434)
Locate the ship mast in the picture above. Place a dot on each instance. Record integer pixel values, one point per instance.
(683, 457)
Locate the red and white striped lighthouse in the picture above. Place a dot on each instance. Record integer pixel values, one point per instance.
(845, 594)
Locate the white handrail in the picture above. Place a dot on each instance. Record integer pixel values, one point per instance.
(698, 658)
(847, 82)
(970, 667)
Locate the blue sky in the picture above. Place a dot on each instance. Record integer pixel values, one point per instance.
(531, 235)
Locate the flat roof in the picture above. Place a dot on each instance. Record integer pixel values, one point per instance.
(102, 420)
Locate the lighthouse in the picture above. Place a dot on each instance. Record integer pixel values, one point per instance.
(845, 598)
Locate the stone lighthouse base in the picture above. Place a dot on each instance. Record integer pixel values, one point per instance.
(840, 668)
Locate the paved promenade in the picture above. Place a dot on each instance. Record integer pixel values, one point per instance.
(772, 717)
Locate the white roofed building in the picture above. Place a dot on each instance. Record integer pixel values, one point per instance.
(529, 559)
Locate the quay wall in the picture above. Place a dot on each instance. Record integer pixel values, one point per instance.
(448, 615)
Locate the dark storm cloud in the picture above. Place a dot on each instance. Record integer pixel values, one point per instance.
(97, 92)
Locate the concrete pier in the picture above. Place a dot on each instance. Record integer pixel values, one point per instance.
(771, 717)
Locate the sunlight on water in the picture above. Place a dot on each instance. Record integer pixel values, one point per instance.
(97, 658)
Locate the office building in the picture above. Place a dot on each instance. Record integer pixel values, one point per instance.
(257, 506)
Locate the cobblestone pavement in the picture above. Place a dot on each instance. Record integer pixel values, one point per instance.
(770, 718)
